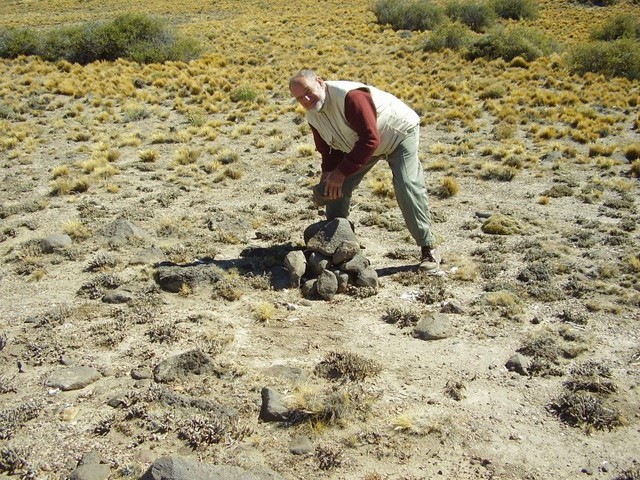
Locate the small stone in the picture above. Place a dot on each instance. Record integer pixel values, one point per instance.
(433, 327)
(296, 264)
(357, 264)
(327, 285)
(90, 458)
(55, 242)
(451, 307)
(343, 281)
(346, 251)
(518, 363)
(318, 263)
(367, 278)
(99, 471)
(301, 445)
(69, 414)
(73, 378)
(309, 289)
(141, 373)
(117, 296)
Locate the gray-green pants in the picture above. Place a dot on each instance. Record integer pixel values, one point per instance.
(408, 184)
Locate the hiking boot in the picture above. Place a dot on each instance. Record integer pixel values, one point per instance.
(430, 260)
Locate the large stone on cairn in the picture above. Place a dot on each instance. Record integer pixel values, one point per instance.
(327, 285)
(367, 278)
(326, 236)
(318, 263)
(346, 251)
(357, 264)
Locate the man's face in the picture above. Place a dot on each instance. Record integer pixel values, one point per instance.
(309, 93)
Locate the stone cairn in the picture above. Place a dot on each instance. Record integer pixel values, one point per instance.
(331, 263)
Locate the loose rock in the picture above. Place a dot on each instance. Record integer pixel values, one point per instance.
(73, 378)
(273, 406)
(178, 468)
(433, 327)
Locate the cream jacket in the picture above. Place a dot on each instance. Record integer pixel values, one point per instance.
(395, 118)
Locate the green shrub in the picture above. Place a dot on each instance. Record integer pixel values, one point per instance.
(408, 15)
(511, 42)
(620, 26)
(598, 3)
(19, 41)
(478, 16)
(515, 9)
(68, 43)
(244, 94)
(453, 36)
(132, 36)
(620, 58)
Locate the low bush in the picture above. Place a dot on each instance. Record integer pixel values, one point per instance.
(620, 26)
(414, 15)
(597, 3)
(134, 37)
(511, 42)
(453, 36)
(620, 58)
(18, 41)
(478, 16)
(515, 9)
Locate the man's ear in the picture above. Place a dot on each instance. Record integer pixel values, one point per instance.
(320, 81)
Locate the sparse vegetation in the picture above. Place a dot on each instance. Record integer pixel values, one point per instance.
(531, 171)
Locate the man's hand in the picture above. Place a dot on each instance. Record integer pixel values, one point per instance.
(333, 182)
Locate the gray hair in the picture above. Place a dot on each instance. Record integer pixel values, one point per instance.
(304, 73)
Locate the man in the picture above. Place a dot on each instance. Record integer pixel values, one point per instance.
(355, 125)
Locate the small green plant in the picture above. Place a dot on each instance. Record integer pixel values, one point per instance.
(511, 42)
(244, 94)
(617, 27)
(619, 58)
(515, 9)
(476, 15)
(409, 15)
(598, 3)
(453, 36)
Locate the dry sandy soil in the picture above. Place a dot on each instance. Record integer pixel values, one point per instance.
(561, 285)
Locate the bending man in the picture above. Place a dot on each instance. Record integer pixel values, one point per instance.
(354, 126)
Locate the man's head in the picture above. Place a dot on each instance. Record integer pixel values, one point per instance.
(308, 89)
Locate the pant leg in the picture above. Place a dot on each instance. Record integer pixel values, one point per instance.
(340, 207)
(410, 189)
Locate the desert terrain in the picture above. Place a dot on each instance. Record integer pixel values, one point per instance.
(113, 170)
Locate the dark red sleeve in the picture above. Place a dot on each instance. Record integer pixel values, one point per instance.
(361, 115)
(330, 158)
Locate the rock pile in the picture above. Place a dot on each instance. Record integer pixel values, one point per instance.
(331, 263)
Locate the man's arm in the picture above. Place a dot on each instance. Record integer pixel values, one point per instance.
(330, 157)
(361, 115)
(360, 112)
